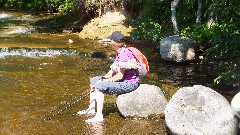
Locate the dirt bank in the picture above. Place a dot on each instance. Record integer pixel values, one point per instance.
(101, 27)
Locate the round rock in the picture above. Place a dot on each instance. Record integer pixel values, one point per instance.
(177, 49)
(145, 101)
(199, 110)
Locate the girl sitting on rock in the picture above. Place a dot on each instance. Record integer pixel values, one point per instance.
(122, 78)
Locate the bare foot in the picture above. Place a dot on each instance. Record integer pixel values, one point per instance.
(95, 119)
(92, 111)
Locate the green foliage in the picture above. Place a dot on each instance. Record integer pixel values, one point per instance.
(147, 29)
(222, 43)
(154, 9)
(201, 34)
(2, 2)
(220, 40)
(229, 76)
(186, 13)
(225, 41)
(67, 6)
(27, 4)
(227, 11)
(225, 44)
(148, 22)
(41, 5)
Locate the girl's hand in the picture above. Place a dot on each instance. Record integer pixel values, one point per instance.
(99, 80)
(105, 80)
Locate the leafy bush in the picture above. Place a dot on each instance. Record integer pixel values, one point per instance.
(67, 6)
(147, 29)
(225, 44)
(201, 34)
(222, 40)
(225, 41)
(222, 43)
(149, 20)
(41, 5)
(229, 76)
(27, 4)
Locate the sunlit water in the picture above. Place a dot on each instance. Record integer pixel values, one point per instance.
(39, 72)
(31, 87)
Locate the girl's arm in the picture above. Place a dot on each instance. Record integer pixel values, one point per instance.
(109, 74)
(117, 77)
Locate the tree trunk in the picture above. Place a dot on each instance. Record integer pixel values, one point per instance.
(81, 8)
(49, 5)
(174, 21)
(199, 12)
(212, 18)
(100, 8)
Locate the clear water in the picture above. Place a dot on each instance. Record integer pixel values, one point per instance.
(41, 71)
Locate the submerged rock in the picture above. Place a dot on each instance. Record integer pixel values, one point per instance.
(4, 16)
(199, 110)
(146, 100)
(21, 31)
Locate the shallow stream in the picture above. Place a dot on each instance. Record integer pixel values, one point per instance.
(40, 71)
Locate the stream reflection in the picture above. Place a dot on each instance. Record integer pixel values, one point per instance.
(96, 128)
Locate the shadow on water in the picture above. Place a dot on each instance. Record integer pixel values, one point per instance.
(39, 72)
(58, 23)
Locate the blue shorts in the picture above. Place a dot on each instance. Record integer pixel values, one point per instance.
(113, 87)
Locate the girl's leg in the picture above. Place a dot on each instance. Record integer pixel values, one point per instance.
(92, 103)
(100, 100)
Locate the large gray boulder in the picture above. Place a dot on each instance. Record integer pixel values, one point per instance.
(199, 110)
(146, 100)
(177, 49)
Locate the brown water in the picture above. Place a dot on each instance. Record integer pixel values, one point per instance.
(30, 87)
